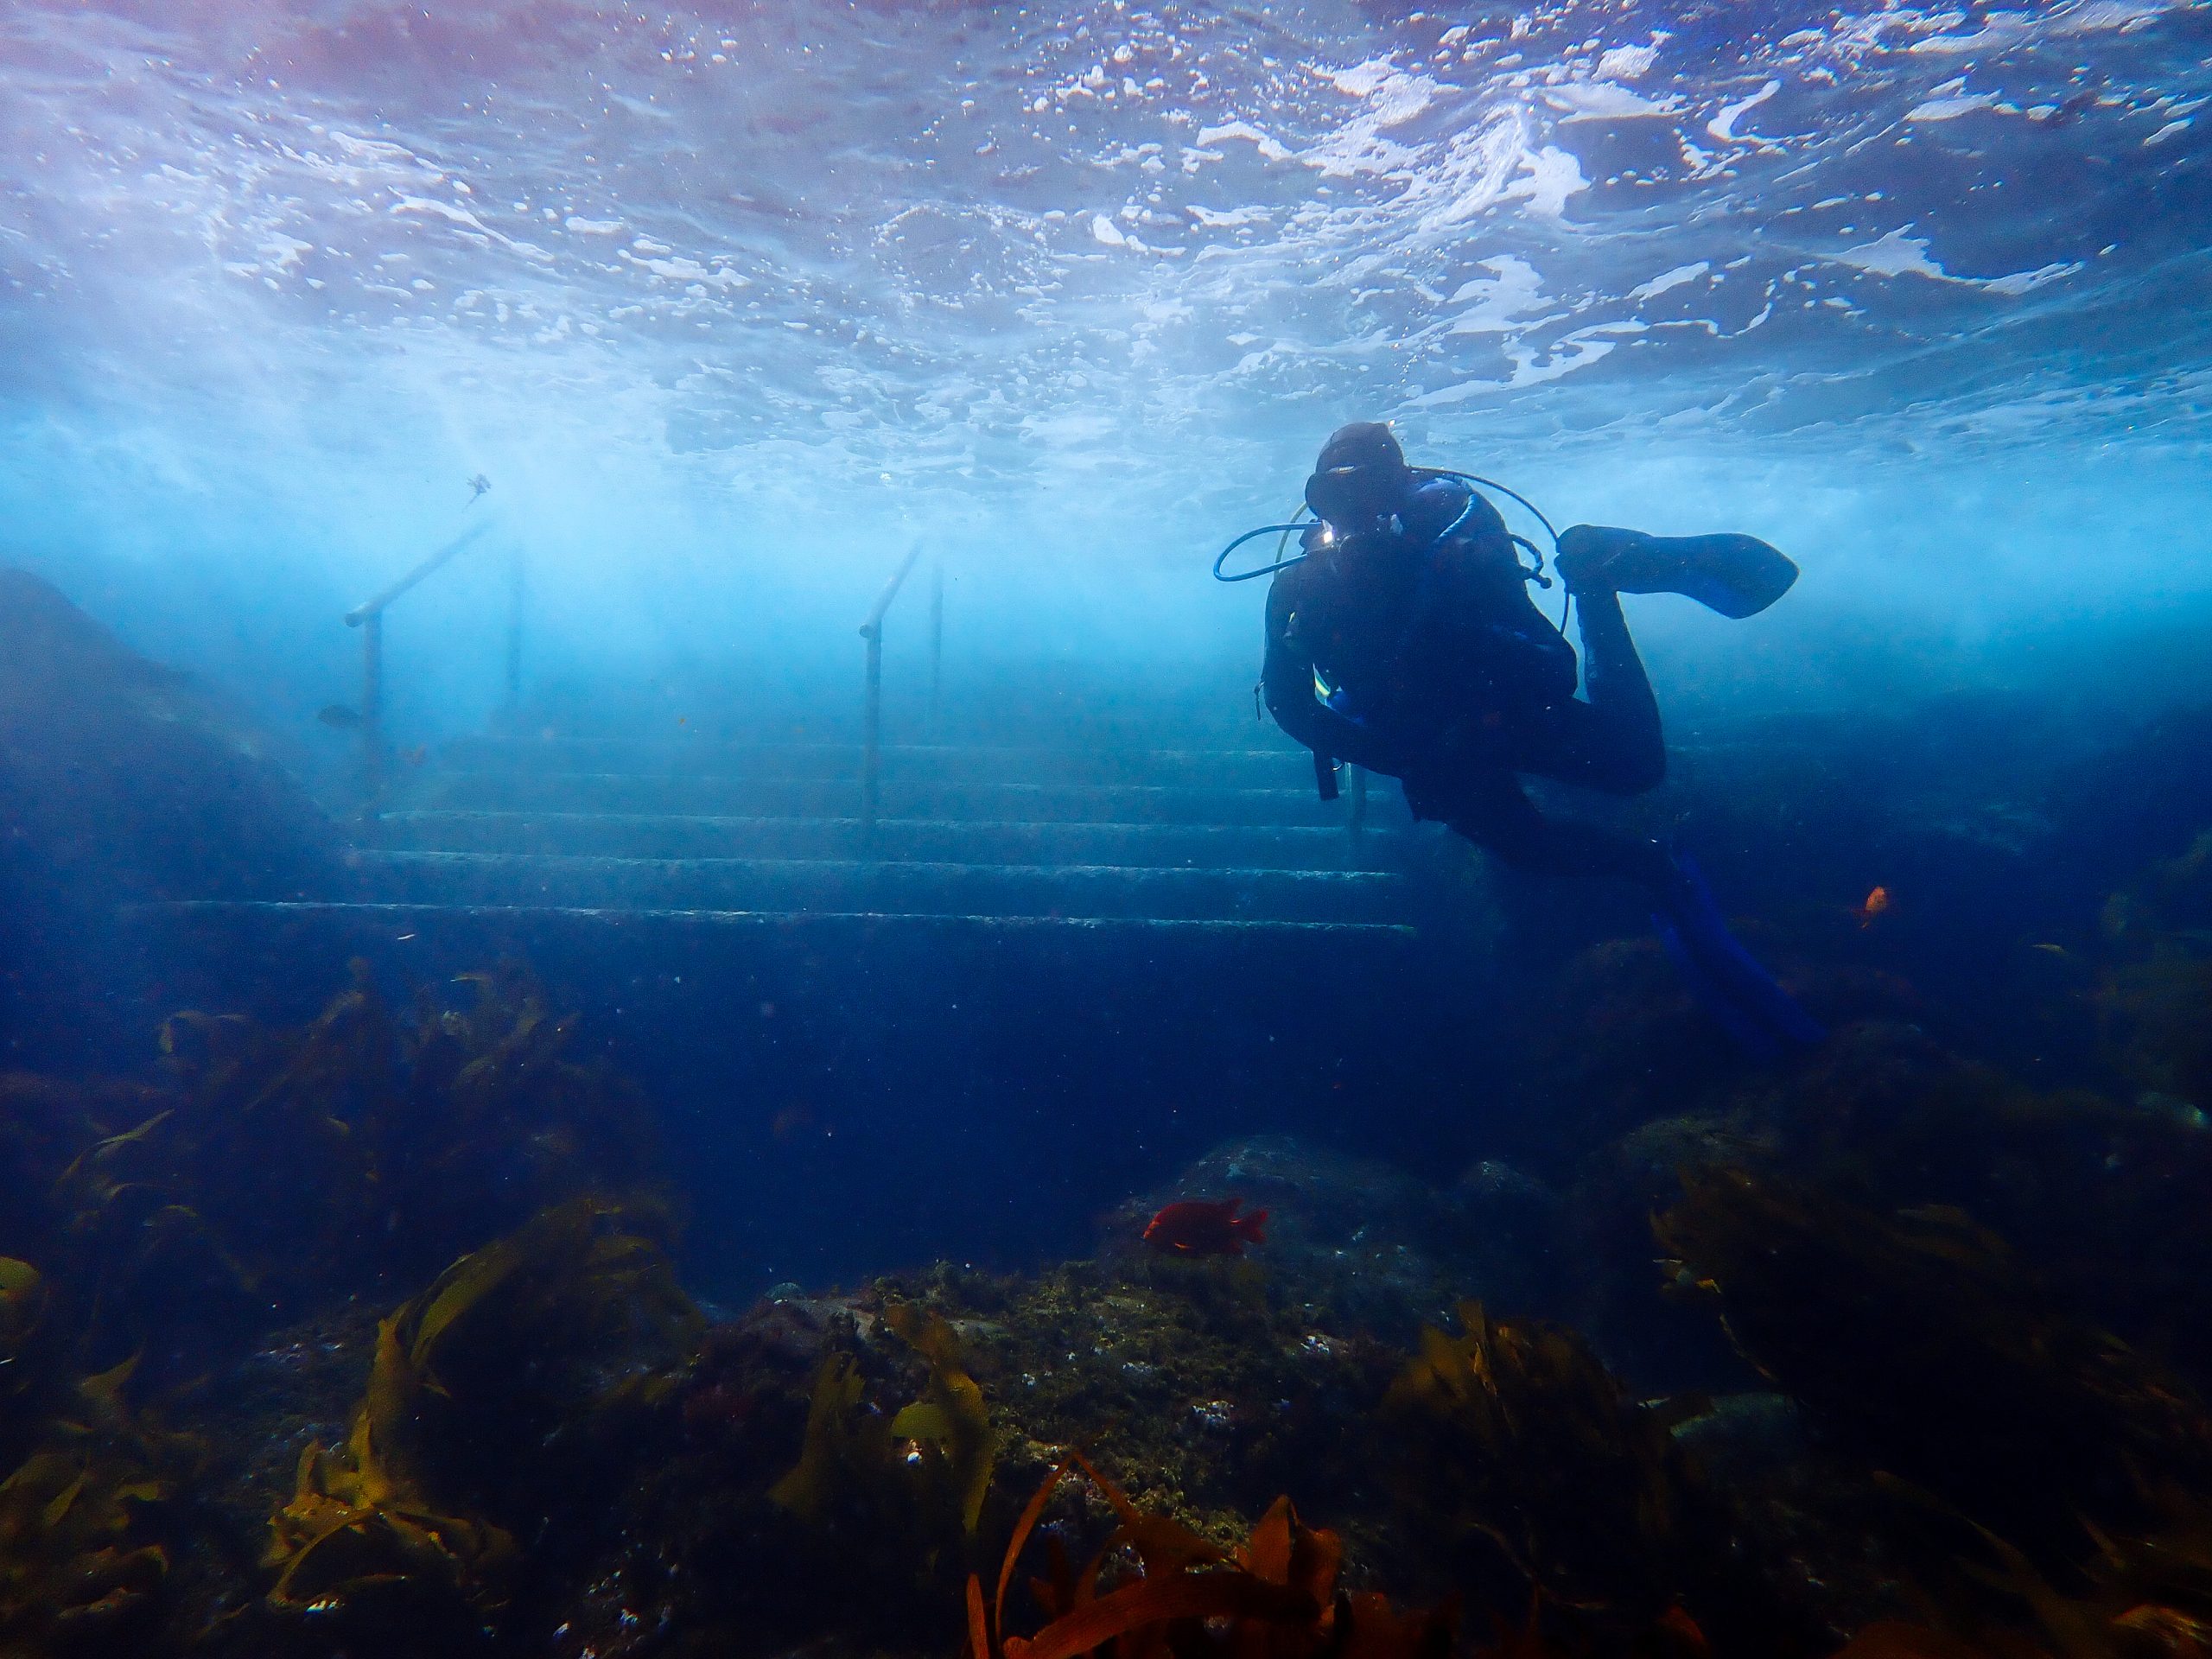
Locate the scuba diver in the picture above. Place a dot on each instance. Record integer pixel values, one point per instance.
(1403, 639)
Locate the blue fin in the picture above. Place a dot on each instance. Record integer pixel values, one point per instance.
(1746, 1033)
(1725, 978)
(1737, 575)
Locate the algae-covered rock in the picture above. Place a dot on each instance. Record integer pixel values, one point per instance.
(1536, 1471)
(483, 1393)
(1821, 1534)
(1918, 1335)
(1657, 1344)
(1354, 1244)
(1189, 1383)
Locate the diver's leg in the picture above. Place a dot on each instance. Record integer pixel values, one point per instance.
(1613, 742)
(1491, 809)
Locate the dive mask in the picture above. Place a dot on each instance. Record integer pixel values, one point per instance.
(1352, 498)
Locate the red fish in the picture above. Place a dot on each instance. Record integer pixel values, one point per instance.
(1205, 1227)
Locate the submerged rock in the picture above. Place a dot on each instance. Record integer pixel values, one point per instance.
(1365, 1247)
(120, 781)
(1820, 1533)
(1512, 1231)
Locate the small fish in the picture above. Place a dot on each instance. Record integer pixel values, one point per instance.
(1204, 1227)
(1877, 902)
(2049, 949)
(477, 486)
(339, 716)
(416, 756)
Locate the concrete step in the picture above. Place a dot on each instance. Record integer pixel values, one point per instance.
(400, 921)
(641, 834)
(689, 794)
(1277, 766)
(879, 887)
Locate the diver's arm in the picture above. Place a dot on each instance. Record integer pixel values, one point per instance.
(1286, 683)
(1516, 607)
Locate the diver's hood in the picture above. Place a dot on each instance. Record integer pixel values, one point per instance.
(1360, 477)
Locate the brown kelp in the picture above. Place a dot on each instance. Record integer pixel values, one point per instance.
(2156, 1018)
(2148, 1597)
(1531, 1468)
(543, 1333)
(73, 1565)
(150, 1230)
(360, 1520)
(2149, 1594)
(87, 1475)
(281, 1114)
(1917, 1336)
(429, 1134)
(23, 1298)
(2096, 1196)
(2154, 1005)
(136, 1247)
(492, 1101)
(948, 1419)
(846, 1448)
(1620, 1035)
(915, 1478)
(270, 1169)
(1277, 1598)
(81, 1548)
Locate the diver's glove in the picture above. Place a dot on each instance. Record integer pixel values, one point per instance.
(1727, 981)
(1736, 576)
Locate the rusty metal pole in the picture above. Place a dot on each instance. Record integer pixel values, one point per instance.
(511, 718)
(368, 616)
(372, 707)
(872, 730)
(936, 649)
(872, 710)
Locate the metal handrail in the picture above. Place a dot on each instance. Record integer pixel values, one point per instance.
(872, 709)
(511, 709)
(382, 603)
(368, 616)
(936, 651)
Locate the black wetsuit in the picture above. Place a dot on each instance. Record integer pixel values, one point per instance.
(1439, 670)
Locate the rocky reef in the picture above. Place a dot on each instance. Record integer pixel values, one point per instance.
(370, 1335)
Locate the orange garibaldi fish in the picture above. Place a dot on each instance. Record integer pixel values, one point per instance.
(1203, 1227)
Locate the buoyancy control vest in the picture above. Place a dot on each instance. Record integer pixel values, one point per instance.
(1425, 623)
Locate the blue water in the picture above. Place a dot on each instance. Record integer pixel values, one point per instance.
(724, 309)
(728, 310)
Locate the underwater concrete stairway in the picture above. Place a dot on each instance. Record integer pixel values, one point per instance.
(1227, 840)
(1169, 942)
